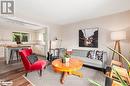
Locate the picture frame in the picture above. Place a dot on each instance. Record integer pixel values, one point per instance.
(88, 37)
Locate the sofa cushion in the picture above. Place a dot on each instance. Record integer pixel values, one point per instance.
(93, 62)
(90, 62)
(80, 53)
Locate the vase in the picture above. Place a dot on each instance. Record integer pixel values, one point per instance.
(67, 59)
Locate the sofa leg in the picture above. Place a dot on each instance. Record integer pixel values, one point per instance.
(26, 74)
(40, 72)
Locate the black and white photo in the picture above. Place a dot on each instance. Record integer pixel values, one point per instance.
(88, 37)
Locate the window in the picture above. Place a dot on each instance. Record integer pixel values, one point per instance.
(20, 37)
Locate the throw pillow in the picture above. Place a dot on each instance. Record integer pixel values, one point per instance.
(91, 54)
(99, 55)
(32, 58)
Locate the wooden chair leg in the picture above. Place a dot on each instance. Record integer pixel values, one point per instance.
(17, 56)
(45, 67)
(40, 72)
(11, 57)
(26, 74)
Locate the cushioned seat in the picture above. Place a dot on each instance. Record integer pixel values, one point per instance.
(38, 65)
(90, 62)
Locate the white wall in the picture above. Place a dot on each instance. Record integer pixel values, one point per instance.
(106, 24)
(54, 31)
(7, 29)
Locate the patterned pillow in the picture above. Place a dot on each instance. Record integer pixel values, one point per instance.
(91, 54)
(99, 55)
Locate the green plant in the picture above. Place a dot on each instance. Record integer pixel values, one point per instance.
(66, 55)
(127, 61)
(123, 83)
(116, 72)
(94, 82)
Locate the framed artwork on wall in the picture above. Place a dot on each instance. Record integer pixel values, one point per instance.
(88, 37)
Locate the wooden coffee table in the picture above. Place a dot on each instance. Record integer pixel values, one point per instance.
(67, 68)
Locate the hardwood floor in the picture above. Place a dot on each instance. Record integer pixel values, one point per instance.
(16, 76)
(8, 67)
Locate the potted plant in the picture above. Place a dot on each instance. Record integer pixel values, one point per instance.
(67, 55)
(94, 82)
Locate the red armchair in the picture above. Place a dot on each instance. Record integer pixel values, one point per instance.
(38, 65)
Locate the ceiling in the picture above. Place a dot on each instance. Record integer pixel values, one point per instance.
(13, 22)
(67, 11)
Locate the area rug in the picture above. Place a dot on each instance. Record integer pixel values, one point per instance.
(50, 78)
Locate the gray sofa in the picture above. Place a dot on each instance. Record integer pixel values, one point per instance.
(82, 54)
(93, 62)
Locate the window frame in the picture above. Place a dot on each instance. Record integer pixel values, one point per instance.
(21, 33)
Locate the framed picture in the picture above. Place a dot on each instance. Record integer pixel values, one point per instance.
(88, 37)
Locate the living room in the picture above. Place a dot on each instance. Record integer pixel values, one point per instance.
(87, 32)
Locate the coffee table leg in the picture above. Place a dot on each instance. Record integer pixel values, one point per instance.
(64, 74)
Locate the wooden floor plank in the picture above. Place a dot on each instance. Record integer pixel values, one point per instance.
(11, 72)
(16, 76)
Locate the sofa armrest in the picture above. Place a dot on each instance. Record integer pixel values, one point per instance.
(105, 57)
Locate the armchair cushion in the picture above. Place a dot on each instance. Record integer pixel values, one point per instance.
(32, 58)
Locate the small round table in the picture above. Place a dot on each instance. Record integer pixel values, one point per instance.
(70, 67)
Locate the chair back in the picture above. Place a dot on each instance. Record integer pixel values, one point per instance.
(29, 50)
(24, 56)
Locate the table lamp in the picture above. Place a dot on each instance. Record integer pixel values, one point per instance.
(117, 36)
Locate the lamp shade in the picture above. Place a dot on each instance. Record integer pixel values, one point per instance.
(118, 35)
